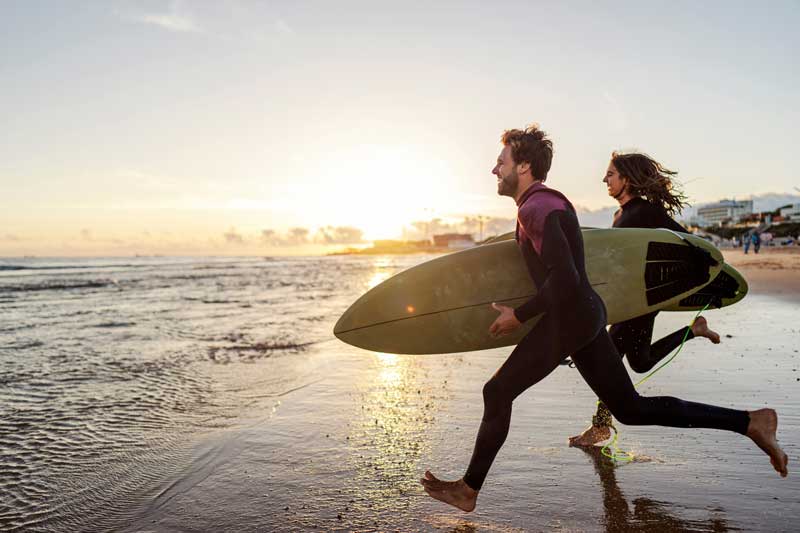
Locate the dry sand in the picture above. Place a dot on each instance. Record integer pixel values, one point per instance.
(774, 271)
(344, 452)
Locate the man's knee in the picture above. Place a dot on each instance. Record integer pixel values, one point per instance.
(493, 394)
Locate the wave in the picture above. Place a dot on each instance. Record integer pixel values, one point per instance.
(68, 267)
(258, 350)
(32, 287)
(114, 324)
(22, 345)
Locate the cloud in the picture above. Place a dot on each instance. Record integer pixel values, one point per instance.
(425, 229)
(602, 217)
(233, 237)
(282, 27)
(294, 237)
(11, 237)
(297, 236)
(338, 235)
(270, 238)
(177, 19)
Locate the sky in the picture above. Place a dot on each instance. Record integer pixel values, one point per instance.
(233, 127)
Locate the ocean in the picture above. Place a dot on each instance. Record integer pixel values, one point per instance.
(209, 394)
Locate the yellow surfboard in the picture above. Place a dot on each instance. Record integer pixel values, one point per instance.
(727, 288)
(444, 305)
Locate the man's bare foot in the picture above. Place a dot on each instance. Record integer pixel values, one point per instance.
(456, 493)
(591, 436)
(762, 428)
(700, 329)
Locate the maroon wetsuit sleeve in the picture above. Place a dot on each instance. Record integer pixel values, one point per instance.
(561, 276)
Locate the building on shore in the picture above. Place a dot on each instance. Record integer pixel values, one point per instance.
(791, 212)
(453, 240)
(722, 212)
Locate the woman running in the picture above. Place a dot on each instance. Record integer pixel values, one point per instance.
(648, 198)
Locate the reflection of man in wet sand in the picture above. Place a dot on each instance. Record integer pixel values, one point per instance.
(573, 322)
(648, 515)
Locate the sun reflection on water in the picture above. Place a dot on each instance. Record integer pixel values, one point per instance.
(389, 375)
(397, 407)
(377, 278)
(383, 269)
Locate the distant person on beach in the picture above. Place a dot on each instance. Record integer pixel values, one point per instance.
(746, 241)
(647, 198)
(756, 239)
(573, 322)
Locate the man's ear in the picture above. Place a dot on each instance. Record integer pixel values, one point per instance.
(522, 168)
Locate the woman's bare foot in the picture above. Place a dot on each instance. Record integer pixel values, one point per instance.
(700, 329)
(762, 428)
(591, 436)
(456, 493)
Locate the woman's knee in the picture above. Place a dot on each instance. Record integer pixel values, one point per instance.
(639, 362)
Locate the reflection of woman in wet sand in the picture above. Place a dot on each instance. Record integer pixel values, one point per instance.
(647, 197)
(648, 515)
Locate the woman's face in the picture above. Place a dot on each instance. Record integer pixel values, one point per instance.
(614, 182)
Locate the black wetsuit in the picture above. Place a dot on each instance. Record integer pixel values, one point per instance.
(632, 337)
(550, 239)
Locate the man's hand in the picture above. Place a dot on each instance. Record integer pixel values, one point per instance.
(505, 323)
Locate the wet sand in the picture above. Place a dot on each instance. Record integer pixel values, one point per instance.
(343, 449)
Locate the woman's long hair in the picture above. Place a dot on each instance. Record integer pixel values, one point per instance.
(647, 177)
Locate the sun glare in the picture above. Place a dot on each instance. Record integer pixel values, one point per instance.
(380, 189)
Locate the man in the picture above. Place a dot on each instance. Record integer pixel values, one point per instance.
(573, 322)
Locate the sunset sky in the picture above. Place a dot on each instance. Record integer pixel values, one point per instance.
(217, 127)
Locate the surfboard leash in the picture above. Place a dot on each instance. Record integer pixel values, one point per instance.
(621, 455)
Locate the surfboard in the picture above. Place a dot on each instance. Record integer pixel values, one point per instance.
(727, 288)
(444, 305)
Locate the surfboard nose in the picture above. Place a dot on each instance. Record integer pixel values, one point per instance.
(343, 324)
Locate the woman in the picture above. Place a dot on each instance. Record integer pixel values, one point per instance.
(647, 199)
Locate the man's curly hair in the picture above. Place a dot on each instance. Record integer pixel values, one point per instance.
(532, 146)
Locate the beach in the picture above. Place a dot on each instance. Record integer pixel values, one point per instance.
(195, 193)
(210, 395)
(774, 271)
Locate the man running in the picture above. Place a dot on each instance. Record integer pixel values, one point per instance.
(549, 237)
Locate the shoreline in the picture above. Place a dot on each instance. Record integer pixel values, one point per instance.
(344, 452)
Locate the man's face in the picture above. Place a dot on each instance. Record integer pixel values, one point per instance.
(614, 182)
(506, 172)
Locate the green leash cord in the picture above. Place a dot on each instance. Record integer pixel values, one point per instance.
(621, 455)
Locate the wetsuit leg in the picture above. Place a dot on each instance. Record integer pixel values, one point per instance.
(602, 368)
(632, 339)
(530, 362)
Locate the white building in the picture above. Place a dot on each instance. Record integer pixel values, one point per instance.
(791, 212)
(724, 210)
